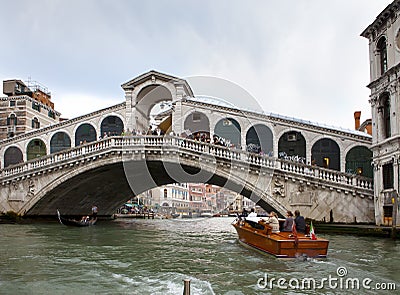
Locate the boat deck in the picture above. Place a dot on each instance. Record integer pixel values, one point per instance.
(282, 244)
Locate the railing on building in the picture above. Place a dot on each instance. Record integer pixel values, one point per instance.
(121, 143)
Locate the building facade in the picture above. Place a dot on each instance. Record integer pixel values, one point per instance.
(25, 108)
(384, 57)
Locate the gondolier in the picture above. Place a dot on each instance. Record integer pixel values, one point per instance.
(94, 211)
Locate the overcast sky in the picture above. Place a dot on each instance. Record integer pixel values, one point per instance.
(299, 58)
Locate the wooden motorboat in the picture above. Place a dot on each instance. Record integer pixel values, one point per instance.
(257, 234)
(74, 222)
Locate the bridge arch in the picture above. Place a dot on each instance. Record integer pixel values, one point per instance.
(229, 129)
(111, 124)
(36, 148)
(259, 138)
(59, 141)
(292, 146)
(325, 152)
(106, 183)
(197, 122)
(13, 155)
(150, 95)
(359, 161)
(85, 132)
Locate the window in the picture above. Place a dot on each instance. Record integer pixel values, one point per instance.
(165, 193)
(36, 106)
(291, 137)
(387, 174)
(382, 51)
(52, 114)
(35, 123)
(12, 120)
(387, 211)
(386, 116)
(196, 117)
(384, 111)
(12, 103)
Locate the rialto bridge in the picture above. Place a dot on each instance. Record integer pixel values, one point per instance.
(280, 163)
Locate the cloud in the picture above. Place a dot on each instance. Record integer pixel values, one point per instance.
(300, 58)
(78, 104)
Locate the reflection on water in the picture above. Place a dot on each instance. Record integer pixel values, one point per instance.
(154, 256)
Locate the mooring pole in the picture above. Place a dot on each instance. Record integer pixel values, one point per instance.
(186, 287)
(394, 216)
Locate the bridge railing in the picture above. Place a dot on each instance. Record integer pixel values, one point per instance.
(326, 174)
(119, 143)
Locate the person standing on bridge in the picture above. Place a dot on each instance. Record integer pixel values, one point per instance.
(94, 211)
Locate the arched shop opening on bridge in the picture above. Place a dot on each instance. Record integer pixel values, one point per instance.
(259, 139)
(229, 131)
(59, 142)
(35, 149)
(292, 147)
(111, 125)
(85, 133)
(198, 125)
(359, 161)
(326, 153)
(13, 155)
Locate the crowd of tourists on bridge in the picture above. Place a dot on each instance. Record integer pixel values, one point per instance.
(134, 132)
(197, 136)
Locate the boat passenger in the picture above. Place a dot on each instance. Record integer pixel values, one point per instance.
(252, 213)
(300, 222)
(273, 222)
(85, 219)
(244, 213)
(287, 225)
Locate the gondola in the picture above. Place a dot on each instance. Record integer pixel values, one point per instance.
(73, 222)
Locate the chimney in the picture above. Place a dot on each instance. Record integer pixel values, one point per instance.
(357, 116)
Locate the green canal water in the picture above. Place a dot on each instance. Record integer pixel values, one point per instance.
(155, 256)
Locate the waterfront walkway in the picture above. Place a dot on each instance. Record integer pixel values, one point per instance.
(146, 215)
(356, 229)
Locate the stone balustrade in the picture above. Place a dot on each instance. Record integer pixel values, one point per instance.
(158, 143)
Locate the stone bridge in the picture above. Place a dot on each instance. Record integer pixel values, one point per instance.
(107, 171)
(278, 162)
